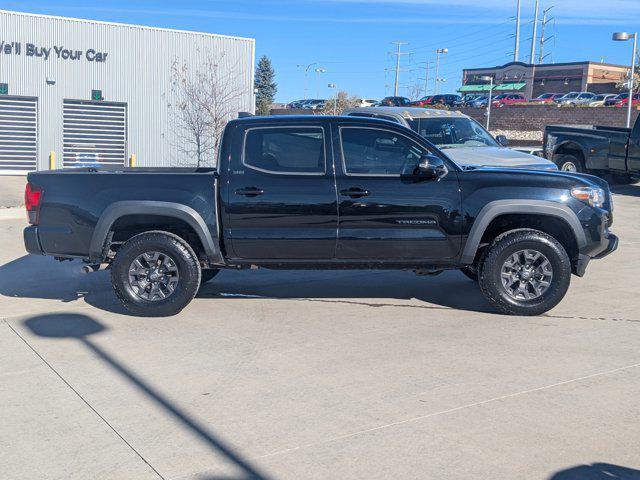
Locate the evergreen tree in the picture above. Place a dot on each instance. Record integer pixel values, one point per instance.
(265, 86)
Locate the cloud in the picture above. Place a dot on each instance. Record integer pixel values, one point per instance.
(451, 17)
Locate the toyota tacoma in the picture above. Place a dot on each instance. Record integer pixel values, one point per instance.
(306, 192)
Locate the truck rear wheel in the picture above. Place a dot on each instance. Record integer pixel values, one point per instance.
(525, 272)
(569, 163)
(155, 274)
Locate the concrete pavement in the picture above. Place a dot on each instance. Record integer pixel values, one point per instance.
(12, 191)
(316, 375)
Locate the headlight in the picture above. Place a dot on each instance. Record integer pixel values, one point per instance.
(593, 196)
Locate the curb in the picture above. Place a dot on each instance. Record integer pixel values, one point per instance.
(12, 213)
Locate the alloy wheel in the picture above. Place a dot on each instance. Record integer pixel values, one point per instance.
(153, 276)
(526, 274)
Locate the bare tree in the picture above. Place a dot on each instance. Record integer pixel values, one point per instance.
(202, 102)
(344, 101)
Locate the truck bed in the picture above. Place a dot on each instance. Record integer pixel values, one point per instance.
(77, 198)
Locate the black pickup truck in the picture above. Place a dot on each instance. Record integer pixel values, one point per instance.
(595, 149)
(322, 193)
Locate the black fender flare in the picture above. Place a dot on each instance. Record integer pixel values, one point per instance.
(502, 207)
(149, 207)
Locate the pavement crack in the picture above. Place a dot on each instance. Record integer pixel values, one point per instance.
(85, 401)
(447, 411)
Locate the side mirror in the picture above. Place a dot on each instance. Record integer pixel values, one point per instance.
(502, 140)
(431, 166)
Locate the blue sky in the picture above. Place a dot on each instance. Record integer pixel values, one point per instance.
(351, 39)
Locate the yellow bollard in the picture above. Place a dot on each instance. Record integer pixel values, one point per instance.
(52, 160)
(132, 160)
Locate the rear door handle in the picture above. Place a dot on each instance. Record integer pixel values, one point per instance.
(354, 192)
(249, 191)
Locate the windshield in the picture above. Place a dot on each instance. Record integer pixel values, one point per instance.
(457, 132)
(571, 95)
(600, 97)
(546, 95)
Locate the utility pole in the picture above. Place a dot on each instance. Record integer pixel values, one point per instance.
(543, 24)
(532, 57)
(516, 50)
(398, 55)
(426, 77)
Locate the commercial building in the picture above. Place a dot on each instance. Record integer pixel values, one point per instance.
(81, 91)
(533, 80)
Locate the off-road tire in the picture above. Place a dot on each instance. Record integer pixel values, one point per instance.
(507, 244)
(565, 163)
(188, 269)
(207, 274)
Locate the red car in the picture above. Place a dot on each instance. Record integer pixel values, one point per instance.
(622, 100)
(547, 97)
(508, 99)
(423, 102)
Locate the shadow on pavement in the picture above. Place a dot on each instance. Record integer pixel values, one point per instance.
(627, 190)
(33, 276)
(597, 471)
(81, 327)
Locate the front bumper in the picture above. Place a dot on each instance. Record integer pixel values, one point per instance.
(610, 245)
(31, 240)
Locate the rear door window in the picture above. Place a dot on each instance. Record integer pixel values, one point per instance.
(378, 152)
(285, 150)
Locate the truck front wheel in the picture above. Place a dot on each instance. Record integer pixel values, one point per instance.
(155, 274)
(525, 272)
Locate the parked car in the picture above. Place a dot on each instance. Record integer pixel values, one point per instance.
(507, 99)
(296, 104)
(395, 101)
(463, 139)
(599, 100)
(423, 102)
(547, 98)
(322, 192)
(313, 104)
(449, 100)
(595, 149)
(575, 98)
(367, 102)
(480, 101)
(622, 100)
(466, 100)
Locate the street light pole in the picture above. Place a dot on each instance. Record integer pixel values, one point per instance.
(622, 37)
(516, 50)
(318, 71)
(532, 56)
(335, 100)
(490, 79)
(306, 74)
(438, 52)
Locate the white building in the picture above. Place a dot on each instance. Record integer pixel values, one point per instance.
(82, 91)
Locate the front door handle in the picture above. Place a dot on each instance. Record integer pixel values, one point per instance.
(249, 191)
(354, 192)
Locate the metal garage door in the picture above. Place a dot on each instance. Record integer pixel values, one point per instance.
(94, 132)
(18, 134)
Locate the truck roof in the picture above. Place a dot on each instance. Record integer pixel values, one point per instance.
(275, 119)
(407, 112)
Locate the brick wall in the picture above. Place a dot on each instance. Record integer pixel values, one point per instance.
(529, 118)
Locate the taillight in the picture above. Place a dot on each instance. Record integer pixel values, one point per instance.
(32, 200)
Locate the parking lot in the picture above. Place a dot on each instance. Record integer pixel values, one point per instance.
(317, 375)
